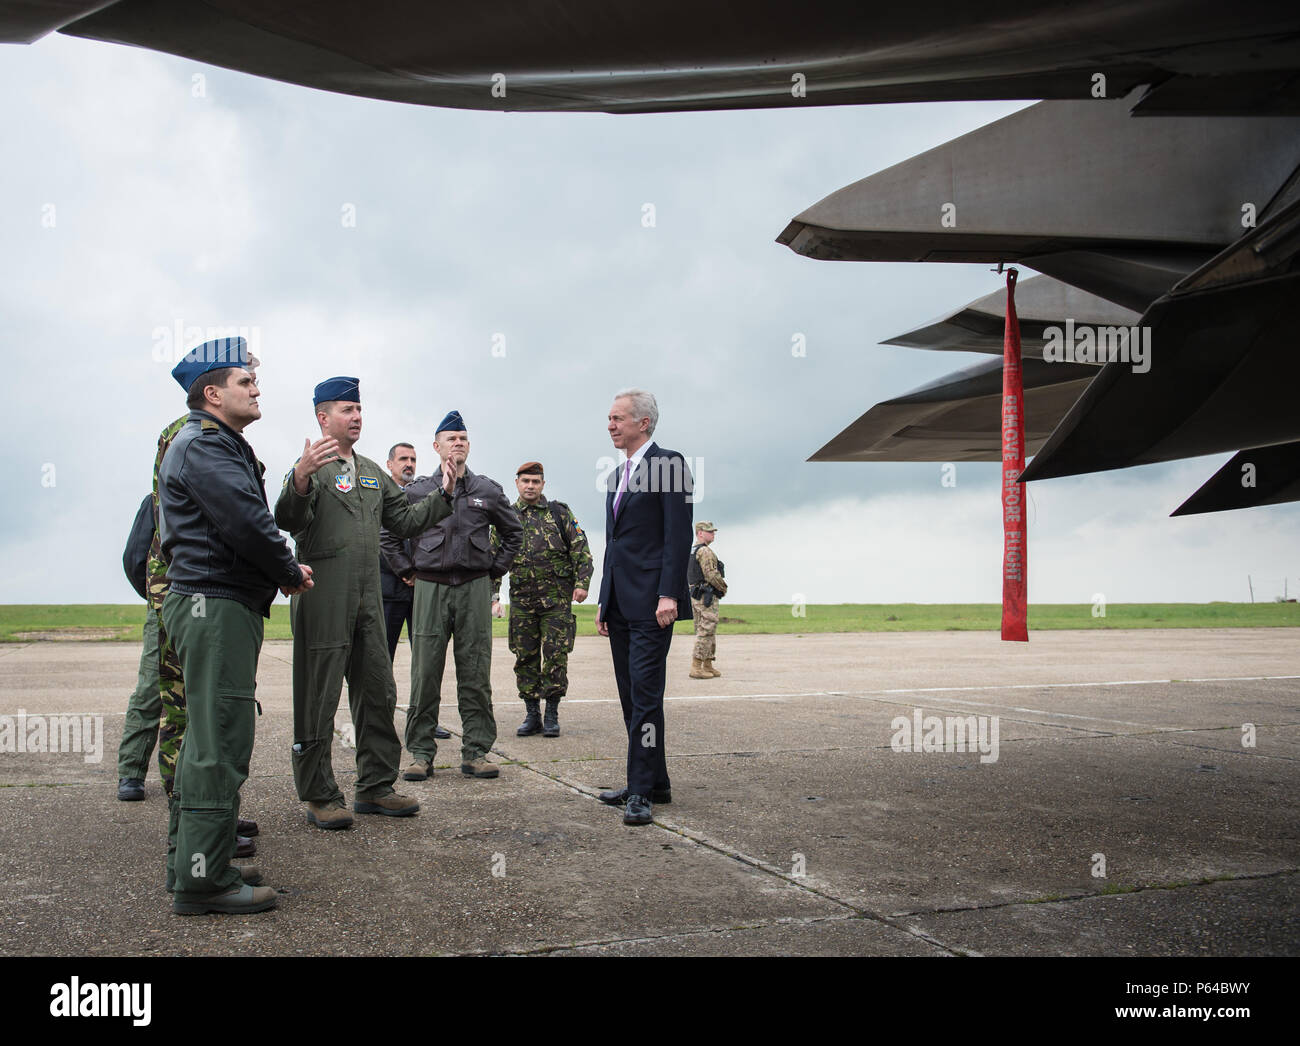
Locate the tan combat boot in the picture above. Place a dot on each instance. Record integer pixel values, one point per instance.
(392, 804)
(330, 816)
(708, 667)
(420, 770)
(479, 767)
(241, 900)
(698, 671)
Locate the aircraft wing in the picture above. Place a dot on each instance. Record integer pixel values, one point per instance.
(1262, 476)
(1223, 367)
(676, 55)
(1041, 303)
(959, 417)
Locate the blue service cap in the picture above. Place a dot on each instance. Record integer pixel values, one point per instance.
(337, 389)
(217, 354)
(453, 422)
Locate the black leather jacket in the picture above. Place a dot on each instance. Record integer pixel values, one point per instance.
(459, 548)
(218, 534)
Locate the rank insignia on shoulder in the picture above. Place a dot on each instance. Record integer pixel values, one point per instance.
(343, 482)
(207, 425)
(368, 481)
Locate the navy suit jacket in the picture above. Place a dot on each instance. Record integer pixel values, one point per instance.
(648, 546)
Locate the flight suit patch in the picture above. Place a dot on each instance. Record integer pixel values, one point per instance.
(368, 481)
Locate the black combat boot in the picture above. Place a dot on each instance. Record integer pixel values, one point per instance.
(551, 724)
(532, 723)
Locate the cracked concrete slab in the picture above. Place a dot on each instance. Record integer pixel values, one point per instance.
(1243, 917)
(853, 935)
(794, 824)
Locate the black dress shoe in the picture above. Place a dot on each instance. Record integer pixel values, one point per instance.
(244, 847)
(662, 796)
(130, 789)
(638, 810)
(246, 828)
(440, 733)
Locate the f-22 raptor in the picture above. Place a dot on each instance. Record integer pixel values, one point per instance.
(1156, 185)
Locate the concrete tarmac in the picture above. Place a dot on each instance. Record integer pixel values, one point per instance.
(1141, 800)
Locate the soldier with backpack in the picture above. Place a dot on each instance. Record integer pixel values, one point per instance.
(706, 577)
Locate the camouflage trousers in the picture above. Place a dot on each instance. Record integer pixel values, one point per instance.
(541, 640)
(171, 688)
(706, 629)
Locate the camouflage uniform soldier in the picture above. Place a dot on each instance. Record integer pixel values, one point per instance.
(171, 685)
(553, 568)
(704, 573)
(140, 727)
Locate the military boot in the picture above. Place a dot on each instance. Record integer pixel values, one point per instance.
(708, 667)
(240, 900)
(698, 671)
(532, 723)
(330, 816)
(551, 724)
(391, 805)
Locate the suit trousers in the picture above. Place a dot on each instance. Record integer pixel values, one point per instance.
(640, 652)
(397, 611)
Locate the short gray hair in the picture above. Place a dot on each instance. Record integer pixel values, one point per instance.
(643, 406)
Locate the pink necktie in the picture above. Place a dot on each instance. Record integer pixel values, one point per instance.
(622, 486)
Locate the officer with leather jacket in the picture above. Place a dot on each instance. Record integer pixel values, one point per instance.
(454, 565)
(227, 558)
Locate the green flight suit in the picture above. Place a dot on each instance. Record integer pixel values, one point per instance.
(338, 626)
(217, 642)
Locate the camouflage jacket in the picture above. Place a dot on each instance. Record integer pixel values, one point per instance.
(708, 561)
(543, 574)
(157, 570)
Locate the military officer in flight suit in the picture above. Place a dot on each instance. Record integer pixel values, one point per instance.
(333, 502)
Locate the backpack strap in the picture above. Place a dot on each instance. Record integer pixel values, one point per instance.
(554, 508)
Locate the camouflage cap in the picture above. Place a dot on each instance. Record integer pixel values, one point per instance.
(531, 468)
(706, 526)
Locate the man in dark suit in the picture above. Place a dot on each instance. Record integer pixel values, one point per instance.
(643, 590)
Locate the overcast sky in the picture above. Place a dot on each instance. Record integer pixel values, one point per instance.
(502, 265)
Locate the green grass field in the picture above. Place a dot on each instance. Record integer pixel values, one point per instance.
(123, 622)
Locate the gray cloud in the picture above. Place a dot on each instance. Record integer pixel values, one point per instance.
(228, 209)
